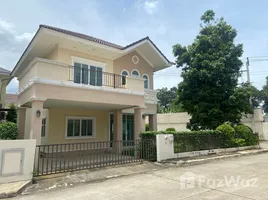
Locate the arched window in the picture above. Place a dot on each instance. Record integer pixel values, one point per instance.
(146, 81)
(124, 74)
(135, 73)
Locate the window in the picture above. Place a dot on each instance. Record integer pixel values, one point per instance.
(146, 81)
(43, 129)
(135, 73)
(124, 74)
(80, 127)
(86, 74)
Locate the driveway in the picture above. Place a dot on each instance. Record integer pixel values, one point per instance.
(237, 179)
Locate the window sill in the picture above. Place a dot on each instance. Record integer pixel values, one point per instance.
(79, 137)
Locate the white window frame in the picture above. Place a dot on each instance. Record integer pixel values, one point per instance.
(45, 125)
(148, 80)
(89, 63)
(124, 70)
(136, 71)
(80, 118)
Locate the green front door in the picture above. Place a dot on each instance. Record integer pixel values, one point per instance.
(128, 128)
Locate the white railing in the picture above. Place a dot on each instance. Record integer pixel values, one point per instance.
(150, 96)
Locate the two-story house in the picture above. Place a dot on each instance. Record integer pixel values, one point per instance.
(77, 88)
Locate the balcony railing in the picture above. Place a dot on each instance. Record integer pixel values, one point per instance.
(96, 77)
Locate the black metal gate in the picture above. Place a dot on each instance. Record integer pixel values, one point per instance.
(60, 158)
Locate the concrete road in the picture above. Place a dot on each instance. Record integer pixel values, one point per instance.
(237, 179)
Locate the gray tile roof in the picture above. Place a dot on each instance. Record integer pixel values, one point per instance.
(4, 71)
(100, 41)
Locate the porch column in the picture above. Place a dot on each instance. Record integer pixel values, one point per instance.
(137, 123)
(36, 121)
(153, 122)
(118, 125)
(21, 122)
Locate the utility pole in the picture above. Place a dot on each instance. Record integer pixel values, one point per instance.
(247, 65)
(250, 100)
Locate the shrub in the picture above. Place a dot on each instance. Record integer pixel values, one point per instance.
(8, 131)
(246, 133)
(239, 142)
(228, 135)
(170, 129)
(12, 114)
(147, 127)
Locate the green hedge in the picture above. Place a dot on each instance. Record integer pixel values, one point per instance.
(225, 136)
(246, 133)
(228, 135)
(170, 129)
(185, 141)
(8, 131)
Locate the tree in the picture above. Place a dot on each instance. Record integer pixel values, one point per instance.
(264, 96)
(256, 96)
(12, 114)
(167, 98)
(210, 71)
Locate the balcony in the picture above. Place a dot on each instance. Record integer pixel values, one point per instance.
(56, 81)
(96, 77)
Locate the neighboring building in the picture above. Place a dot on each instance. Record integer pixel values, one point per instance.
(11, 98)
(5, 78)
(77, 88)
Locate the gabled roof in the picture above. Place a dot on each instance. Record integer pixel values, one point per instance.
(159, 64)
(4, 71)
(100, 41)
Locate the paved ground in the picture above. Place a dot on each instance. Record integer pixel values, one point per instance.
(236, 179)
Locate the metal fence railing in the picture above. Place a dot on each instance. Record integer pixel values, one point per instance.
(99, 78)
(60, 158)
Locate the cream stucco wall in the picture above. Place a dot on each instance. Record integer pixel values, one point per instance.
(57, 125)
(125, 62)
(53, 54)
(65, 56)
(29, 73)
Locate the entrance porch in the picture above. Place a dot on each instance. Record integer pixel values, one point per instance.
(65, 122)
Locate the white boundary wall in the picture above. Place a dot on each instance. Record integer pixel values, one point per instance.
(180, 120)
(165, 149)
(16, 160)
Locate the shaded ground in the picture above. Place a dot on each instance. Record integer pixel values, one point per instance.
(238, 178)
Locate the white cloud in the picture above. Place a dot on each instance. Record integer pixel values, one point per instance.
(150, 6)
(24, 36)
(12, 45)
(6, 26)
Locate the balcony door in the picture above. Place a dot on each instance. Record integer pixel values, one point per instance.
(85, 74)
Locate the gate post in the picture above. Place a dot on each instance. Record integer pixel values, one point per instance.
(164, 147)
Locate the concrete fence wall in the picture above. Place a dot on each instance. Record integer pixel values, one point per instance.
(180, 120)
(16, 160)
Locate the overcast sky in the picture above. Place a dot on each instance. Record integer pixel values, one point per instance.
(166, 22)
